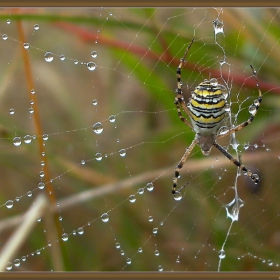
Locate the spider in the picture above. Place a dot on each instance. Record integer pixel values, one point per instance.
(206, 110)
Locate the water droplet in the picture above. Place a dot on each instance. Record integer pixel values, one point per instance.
(155, 230)
(60, 218)
(233, 208)
(150, 186)
(26, 46)
(48, 57)
(105, 217)
(98, 128)
(23, 258)
(76, 62)
(122, 152)
(41, 173)
(222, 254)
(91, 66)
(8, 21)
(94, 102)
(45, 137)
(141, 191)
(9, 266)
(227, 108)
(150, 219)
(160, 268)
(218, 26)
(246, 146)
(270, 263)
(223, 130)
(252, 110)
(4, 37)
(112, 118)
(83, 162)
(36, 27)
(140, 250)
(29, 194)
(9, 204)
(122, 252)
(31, 110)
(42, 163)
(39, 220)
(17, 141)
(118, 246)
(27, 139)
(94, 54)
(12, 111)
(132, 198)
(65, 236)
(128, 260)
(41, 185)
(62, 57)
(177, 196)
(156, 253)
(98, 156)
(80, 230)
(256, 146)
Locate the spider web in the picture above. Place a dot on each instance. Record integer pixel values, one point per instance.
(104, 81)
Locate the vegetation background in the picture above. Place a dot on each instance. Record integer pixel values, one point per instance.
(138, 53)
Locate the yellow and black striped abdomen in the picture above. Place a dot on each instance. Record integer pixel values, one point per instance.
(207, 107)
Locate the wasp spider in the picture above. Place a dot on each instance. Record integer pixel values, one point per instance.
(206, 110)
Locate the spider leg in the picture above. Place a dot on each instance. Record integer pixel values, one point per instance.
(180, 165)
(254, 177)
(253, 109)
(179, 99)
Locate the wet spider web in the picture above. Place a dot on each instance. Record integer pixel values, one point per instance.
(93, 139)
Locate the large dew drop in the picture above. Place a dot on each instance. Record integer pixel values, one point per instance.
(26, 46)
(218, 26)
(233, 208)
(150, 186)
(17, 141)
(105, 217)
(112, 118)
(48, 57)
(132, 198)
(27, 139)
(122, 152)
(98, 156)
(177, 196)
(91, 66)
(222, 254)
(9, 204)
(94, 54)
(41, 185)
(65, 237)
(97, 127)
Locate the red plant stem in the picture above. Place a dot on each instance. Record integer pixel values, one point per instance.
(90, 36)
